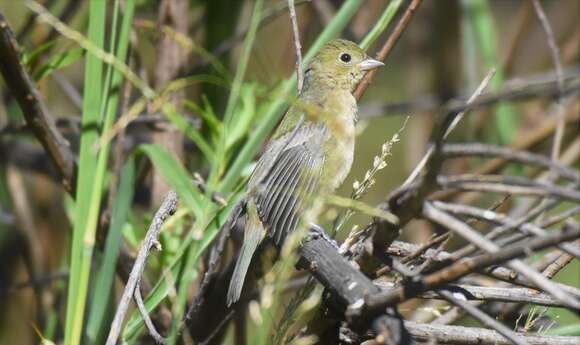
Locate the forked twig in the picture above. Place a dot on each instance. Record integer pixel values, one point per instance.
(167, 208)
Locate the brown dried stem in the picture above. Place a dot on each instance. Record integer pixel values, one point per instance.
(167, 208)
(388, 46)
(37, 117)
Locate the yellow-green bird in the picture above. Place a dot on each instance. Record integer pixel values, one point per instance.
(310, 153)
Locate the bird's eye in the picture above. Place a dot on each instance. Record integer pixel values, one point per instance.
(345, 57)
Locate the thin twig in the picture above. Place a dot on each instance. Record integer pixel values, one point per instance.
(555, 52)
(388, 46)
(35, 112)
(482, 317)
(145, 315)
(167, 208)
(507, 184)
(459, 269)
(219, 327)
(501, 294)
(486, 150)
(561, 217)
(506, 221)
(471, 335)
(487, 293)
(474, 237)
(419, 167)
(427, 245)
(297, 45)
(558, 264)
(520, 89)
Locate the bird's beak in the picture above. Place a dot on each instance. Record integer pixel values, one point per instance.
(369, 64)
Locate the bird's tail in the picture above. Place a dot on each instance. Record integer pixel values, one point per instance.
(254, 233)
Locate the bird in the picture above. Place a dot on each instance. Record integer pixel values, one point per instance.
(310, 153)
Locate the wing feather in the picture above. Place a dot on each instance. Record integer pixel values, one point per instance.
(281, 194)
(283, 180)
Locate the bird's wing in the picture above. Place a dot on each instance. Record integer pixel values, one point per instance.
(284, 189)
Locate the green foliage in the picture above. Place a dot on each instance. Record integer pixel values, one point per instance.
(80, 253)
(97, 321)
(101, 98)
(478, 15)
(57, 62)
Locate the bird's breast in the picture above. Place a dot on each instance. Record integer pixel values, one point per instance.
(339, 145)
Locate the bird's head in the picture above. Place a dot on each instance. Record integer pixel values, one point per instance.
(339, 64)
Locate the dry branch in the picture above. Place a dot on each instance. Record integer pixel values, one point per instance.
(464, 230)
(555, 52)
(485, 319)
(486, 150)
(507, 185)
(501, 294)
(520, 89)
(460, 335)
(498, 218)
(466, 266)
(388, 46)
(33, 108)
(297, 45)
(167, 208)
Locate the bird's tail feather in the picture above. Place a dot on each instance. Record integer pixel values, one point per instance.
(254, 233)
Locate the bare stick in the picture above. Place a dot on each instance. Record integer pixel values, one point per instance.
(486, 150)
(474, 237)
(486, 293)
(519, 89)
(507, 184)
(402, 249)
(37, 117)
(145, 315)
(506, 221)
(478, 336)
(485, 319)
(425, 246)
(419, 167)
(297, 45)
(376, 303)
(558, 265)
(167, 208)
(559, 134)
(388, 46)
(561, 217)
(504, 294)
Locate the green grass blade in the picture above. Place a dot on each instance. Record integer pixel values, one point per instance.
(78, 280)
(233, 99)
(176, 176)
(58, 61)
(480, 16)
(187, 128)
(381, 24)
(106, 274)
